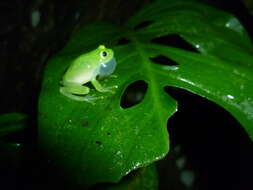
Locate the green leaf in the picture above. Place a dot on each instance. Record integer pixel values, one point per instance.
(103, 142)
(12, 122)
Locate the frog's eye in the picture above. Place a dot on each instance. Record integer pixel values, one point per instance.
(103, 54)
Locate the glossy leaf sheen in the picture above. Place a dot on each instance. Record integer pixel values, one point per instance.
(104, 142)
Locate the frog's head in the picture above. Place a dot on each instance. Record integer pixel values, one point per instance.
(107, 61)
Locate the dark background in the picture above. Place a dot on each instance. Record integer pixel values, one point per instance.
(216, 147)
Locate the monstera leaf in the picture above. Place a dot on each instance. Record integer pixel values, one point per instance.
(103, 142)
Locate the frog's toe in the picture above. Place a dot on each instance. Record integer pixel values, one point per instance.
(110, 89)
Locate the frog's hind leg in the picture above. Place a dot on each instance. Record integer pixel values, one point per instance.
(77, 92)
(71, 96)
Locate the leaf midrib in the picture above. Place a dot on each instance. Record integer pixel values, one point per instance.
(149, 73)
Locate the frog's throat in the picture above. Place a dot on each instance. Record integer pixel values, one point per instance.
(111, 61)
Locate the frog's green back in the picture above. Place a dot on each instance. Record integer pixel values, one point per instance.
(83, 68)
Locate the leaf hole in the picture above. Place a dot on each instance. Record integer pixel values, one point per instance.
(133, 94)
(176, 41)
(163, 60)
(143, 24)
(123, 41)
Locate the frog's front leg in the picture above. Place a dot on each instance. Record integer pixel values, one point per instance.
(75, 91)
(99, 87)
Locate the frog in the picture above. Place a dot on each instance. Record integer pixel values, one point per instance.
(88, 67)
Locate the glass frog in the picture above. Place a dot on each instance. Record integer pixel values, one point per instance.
(86, 68)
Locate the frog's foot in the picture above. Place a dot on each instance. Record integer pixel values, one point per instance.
(99, 88)
(89, 99)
